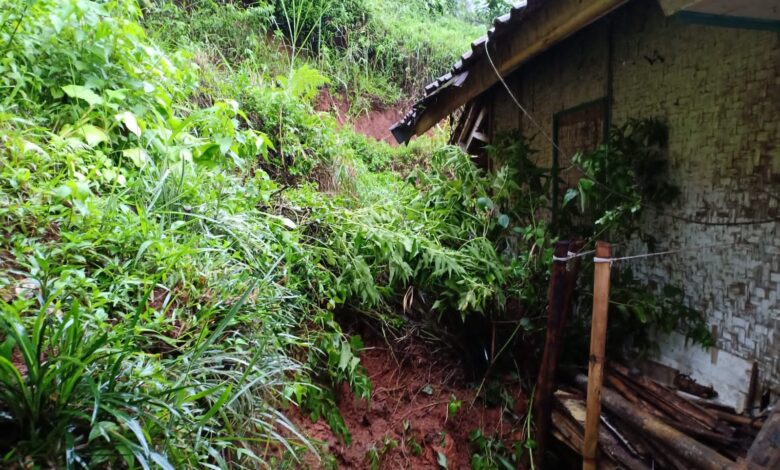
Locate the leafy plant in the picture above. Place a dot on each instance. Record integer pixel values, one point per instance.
(489, 453)
(143, 211)
(622, 178)
(453, 406)
(63, 389)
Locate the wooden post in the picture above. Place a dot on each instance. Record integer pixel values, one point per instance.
(598, 338)
(750, 399)
(545, 381)
(563, 281)
(764, 453)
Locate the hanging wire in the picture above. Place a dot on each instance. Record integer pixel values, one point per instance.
(597, 259)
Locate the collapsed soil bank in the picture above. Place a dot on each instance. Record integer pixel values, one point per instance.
(406, 424)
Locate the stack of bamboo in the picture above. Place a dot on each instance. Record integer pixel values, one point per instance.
(646, 425)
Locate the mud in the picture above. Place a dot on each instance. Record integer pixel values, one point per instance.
(406, 424)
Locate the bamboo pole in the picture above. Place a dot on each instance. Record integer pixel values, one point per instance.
(680, 445)
(598, 337)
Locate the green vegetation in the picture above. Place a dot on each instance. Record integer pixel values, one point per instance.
(375, 52)
(181, 228)
(170, 266)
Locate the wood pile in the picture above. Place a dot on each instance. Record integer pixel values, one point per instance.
(645, 425)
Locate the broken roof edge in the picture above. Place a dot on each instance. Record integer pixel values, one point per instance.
(566, 17)
(404, 130)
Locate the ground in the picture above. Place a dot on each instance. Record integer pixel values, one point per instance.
(406, 424)
(375, 123)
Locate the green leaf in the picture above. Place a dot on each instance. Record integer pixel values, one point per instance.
(92, 135)
(160, 460)
(138, 156)
(485, 203)
(84, 93)
(506, 463)
(570, 195)
(62, 192)
(453, 406)
(503, 220)
(131, 123)
(346, 355)
(303, 82)
(441, 459)
(102, 428)
(217, 405)
(288, 223)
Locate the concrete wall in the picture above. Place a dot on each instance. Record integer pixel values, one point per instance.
(718, 89)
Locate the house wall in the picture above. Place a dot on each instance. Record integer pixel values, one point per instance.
(718, 89)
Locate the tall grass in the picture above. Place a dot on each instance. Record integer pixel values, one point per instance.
(375, 52)
(171, 269)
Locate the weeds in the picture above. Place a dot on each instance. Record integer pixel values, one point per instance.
(372, 51)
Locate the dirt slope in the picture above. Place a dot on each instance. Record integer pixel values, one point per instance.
(406, 422)
(376, 123)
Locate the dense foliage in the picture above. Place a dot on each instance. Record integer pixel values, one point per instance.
(619, 181)
(181, 228)
(372, 51)
(170, 265)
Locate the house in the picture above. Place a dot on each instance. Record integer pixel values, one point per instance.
(711, 70)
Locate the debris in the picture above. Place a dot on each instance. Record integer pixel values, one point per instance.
(646, 425)
(765, 451)
(686, 384)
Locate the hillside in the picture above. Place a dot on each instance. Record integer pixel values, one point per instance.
(181, 229)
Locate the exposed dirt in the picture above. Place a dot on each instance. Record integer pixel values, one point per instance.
(374, 124)
(406, 421)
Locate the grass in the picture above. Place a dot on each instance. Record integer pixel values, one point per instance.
(375, 52)
(171, 268)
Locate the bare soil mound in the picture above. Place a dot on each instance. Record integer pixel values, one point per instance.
(376, 123)
(406, 424)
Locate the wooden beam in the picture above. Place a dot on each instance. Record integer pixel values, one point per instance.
(765, 451)
(541, 30)
(557, 300)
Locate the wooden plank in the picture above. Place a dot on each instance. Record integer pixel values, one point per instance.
(680, 444)
(475, 128)
(668, 401)
(612, 447)
(765, 451)
(574, 409)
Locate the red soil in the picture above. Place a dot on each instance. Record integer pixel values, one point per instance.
(376, 123)
(407, 420)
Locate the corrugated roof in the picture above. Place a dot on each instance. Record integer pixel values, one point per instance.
(503, 25)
